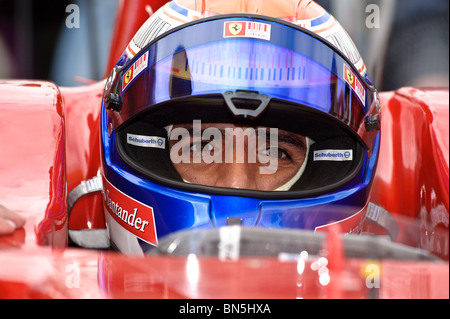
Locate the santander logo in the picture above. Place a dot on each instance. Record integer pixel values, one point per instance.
(135, 217)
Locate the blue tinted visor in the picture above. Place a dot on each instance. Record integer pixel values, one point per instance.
(221, 55)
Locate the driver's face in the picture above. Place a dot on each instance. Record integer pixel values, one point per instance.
(228, 160)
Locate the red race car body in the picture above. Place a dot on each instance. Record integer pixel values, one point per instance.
(49, 144)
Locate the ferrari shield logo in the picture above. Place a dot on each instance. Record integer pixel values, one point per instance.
(128, 76)
(356, 85)
(133, 72)
(349, 77)
(235, 28)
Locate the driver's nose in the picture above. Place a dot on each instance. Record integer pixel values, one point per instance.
(237, 175)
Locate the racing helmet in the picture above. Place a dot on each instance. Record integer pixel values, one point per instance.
(284, 69)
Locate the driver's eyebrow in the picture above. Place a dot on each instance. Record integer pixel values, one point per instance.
(292, 139)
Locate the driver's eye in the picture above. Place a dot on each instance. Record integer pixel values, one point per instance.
(275, 152)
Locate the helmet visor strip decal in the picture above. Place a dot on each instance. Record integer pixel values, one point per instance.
(292, 66)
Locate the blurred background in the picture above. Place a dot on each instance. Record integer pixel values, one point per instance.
(35, 42)
(403, 42)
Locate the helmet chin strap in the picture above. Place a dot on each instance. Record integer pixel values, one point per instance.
(300, 172)
(287, 186)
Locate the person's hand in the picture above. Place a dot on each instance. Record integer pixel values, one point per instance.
(9, 221)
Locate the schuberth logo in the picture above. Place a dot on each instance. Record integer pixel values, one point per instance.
(333, 155)
(132, 215)
(146, 141)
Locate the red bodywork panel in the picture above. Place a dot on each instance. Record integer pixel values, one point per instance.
(32, 160)
(49, 143)
(412, 174)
